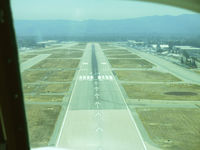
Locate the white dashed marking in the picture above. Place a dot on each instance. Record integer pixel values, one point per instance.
(91, 77)
(84, 77)
(99, 77)
(88, 77)
(81, 78)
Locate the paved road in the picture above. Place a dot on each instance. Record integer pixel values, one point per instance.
(97, 117)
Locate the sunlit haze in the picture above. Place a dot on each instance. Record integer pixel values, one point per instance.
(88, 9)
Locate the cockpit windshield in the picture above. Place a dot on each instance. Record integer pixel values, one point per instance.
(109, 74)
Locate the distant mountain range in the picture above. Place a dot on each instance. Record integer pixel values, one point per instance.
(183, 24)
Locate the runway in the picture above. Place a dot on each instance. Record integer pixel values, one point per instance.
(97, 117)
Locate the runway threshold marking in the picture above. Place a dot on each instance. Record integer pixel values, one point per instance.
(91, 77)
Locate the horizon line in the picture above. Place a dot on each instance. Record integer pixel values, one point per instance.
(79, 20)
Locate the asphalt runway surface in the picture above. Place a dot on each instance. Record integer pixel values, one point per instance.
(97, 117)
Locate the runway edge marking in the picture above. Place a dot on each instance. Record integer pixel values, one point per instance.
(65, 117)
(133, 120)
(129, 112)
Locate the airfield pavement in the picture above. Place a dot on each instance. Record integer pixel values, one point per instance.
(104, 96)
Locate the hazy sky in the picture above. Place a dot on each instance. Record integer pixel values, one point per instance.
(88, 9)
